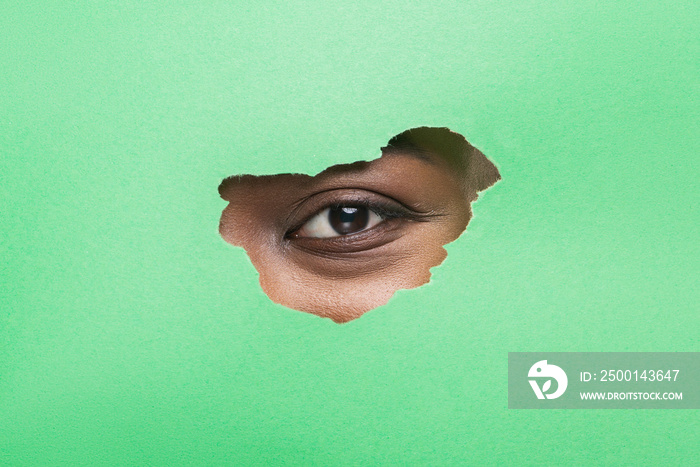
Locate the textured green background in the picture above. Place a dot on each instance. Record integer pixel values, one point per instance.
(130, 333)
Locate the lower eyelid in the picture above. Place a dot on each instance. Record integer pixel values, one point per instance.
(333, 247)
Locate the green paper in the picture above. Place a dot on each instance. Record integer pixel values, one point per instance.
(132, 334)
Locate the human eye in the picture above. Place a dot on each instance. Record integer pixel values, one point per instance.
(349, 220)
(339, 220)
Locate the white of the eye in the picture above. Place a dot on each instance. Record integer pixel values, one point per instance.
(319, 226)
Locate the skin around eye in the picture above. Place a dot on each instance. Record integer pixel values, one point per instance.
(340, 243)
(335, 221)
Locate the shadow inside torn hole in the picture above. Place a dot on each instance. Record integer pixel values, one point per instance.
(342, 242)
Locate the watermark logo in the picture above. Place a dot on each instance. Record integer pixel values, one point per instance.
(543, 370)
(603, 380)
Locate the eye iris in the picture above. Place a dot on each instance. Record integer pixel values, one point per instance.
(346, 220)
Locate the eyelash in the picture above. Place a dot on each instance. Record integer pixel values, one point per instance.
(387, 211)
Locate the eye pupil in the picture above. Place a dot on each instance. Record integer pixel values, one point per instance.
(348, 219)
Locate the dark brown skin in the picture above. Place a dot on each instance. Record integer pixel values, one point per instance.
(419, 194)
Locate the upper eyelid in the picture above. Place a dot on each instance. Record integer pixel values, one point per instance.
(300, 202)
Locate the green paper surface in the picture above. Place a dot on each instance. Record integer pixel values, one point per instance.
(132, 334)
